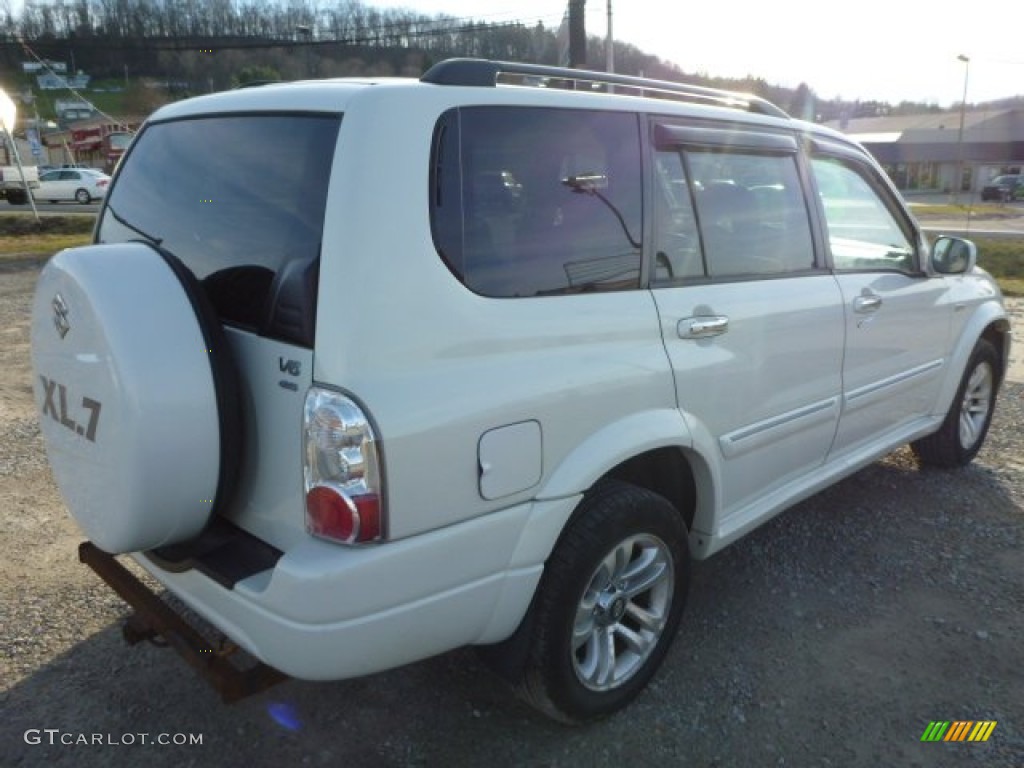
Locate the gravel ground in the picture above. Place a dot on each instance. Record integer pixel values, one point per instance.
(831, 636)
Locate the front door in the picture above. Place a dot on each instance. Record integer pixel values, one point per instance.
(894, 363)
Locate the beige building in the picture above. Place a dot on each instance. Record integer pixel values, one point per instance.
(924, 152)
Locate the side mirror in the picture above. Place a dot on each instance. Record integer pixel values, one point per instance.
(953, 255)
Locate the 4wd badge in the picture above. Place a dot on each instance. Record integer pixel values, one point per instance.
(60, 315)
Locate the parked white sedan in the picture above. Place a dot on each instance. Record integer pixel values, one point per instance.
(82, 185)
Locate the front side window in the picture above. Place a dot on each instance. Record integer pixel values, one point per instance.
(535, 202)
(863, 233)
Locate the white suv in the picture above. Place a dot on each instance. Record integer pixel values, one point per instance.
(364, 371)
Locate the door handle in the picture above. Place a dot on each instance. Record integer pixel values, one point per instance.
(866, 304)
(702, 327)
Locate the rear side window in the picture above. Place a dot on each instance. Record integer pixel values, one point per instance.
(750, 208)
(240, 200)
(534, 202)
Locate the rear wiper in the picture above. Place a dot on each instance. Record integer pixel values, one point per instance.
(120, 220)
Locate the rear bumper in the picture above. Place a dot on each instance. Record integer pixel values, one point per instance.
(325, 612)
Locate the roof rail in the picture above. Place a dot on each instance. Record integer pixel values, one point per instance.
(486, 73)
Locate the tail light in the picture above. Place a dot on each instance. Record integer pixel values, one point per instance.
(341, 471)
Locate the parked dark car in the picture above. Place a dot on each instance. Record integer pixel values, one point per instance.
(1004, 188)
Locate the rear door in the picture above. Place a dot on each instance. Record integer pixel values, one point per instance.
(897, 321)
(752, 321)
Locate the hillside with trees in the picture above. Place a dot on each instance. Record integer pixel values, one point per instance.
(162, 50)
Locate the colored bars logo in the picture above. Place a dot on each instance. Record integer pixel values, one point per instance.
(958, 730)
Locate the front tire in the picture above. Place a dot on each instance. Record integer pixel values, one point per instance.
(608, 605)
(963, 431)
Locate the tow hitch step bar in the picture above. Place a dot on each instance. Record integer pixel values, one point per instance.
(155, 620)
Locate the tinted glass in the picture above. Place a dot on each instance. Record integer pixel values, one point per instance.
(677, 252)
(753, 217)
(238, 199)
(863, 232)
(532, 202)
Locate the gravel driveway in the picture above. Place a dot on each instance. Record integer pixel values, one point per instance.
(832, 636)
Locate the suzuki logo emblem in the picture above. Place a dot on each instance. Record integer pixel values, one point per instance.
(60, 316)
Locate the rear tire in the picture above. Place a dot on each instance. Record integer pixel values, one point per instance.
(83, 196)
(607, 608)
(963, 431)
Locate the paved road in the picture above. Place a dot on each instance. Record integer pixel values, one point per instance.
(981, 226)
(1009, 223)
(959, 230)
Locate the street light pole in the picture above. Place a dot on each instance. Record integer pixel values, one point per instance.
(959, 181)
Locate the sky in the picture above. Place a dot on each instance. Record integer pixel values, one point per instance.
(888, 50)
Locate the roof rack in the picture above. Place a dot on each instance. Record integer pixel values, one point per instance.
(486, 73)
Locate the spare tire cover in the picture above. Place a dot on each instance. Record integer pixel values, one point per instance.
(125, 380)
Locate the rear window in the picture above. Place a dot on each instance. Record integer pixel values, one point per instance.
(240, 200)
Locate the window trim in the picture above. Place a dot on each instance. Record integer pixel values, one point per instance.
(671, 135)
(448, 123)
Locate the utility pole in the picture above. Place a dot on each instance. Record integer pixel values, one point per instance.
(306, 32)
(577, 34)
(610, 44)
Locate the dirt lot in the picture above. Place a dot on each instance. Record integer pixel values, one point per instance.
(830, 637)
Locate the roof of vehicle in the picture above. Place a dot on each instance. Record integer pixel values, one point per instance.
(492, 82)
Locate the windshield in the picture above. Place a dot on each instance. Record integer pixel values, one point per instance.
(240, 201)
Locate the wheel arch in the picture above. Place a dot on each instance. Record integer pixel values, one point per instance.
(997, 333)
(990, 323)
(652, 450)
(665, 471)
